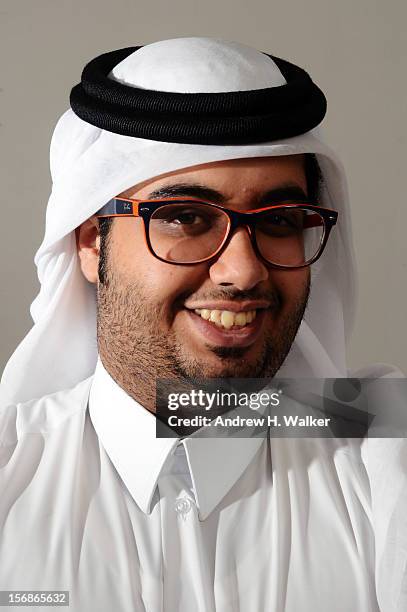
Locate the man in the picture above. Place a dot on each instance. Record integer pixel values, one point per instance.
(188, 226)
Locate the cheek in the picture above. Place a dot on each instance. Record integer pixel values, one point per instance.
(131, 258)
(127, 244)
(163, 285)
(291, 285)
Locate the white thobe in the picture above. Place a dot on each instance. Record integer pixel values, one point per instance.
(93, 503)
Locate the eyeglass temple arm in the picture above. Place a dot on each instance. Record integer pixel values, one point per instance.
(119, 207)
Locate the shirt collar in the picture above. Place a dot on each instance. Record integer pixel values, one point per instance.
(127, 432)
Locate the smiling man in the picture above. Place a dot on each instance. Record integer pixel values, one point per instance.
(187, 237)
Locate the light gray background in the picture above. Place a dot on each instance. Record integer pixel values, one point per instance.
(354, 49)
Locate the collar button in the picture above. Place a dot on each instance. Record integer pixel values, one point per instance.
(182, 506)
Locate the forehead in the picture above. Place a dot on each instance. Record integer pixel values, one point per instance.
(232, 177)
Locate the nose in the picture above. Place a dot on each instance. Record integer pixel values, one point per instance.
(238, 264)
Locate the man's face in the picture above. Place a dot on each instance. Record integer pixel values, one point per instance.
(148, 324)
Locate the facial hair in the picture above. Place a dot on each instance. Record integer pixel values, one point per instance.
(136, 351)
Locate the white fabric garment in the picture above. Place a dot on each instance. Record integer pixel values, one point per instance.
(90, 166)
(95, 504)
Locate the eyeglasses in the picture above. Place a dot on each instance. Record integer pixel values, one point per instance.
(185, 231)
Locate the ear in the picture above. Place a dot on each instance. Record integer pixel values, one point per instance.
(88, 245)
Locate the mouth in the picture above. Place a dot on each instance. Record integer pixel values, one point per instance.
(236, 325)
(227, 319)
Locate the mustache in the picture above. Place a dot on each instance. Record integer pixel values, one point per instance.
(272, 296)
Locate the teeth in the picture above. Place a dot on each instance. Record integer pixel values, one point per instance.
(215, 317)
(226, 318)
(240, 318)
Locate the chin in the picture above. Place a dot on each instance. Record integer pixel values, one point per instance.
(220, 365)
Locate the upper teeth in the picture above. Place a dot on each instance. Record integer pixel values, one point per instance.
(226, 318)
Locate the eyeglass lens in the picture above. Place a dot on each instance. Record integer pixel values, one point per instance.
(190, 232)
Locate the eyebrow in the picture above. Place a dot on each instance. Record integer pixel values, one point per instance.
(188, 190)
(283, 193)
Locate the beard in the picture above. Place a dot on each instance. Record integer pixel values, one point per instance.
(136, 351)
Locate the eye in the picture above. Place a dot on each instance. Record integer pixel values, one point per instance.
(282, 223)
(276, 219)
(185, 217)
(183, 220)
(290, 218)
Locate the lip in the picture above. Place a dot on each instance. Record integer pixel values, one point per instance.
(217, 336)
(232, 306)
